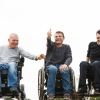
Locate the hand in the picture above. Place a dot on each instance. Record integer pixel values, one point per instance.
(41, 56)
(63, 67)
(49, 34)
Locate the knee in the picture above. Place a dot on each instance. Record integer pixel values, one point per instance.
(12, 66)
(96, 63)
(83, 64)
(65, 71)
(52, 69)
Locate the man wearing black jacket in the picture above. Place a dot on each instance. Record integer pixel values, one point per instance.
(92, 63)
(58, 57)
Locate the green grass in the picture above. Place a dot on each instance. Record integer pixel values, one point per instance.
(58, 99)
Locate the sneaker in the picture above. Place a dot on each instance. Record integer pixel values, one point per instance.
(50, 97)
(81, 91)
(66, 97)
(14, 91)
(97, 91)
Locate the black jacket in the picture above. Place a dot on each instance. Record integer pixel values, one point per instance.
(51, 46)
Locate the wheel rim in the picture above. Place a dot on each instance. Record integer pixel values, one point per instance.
(41, 83)
(39, 79)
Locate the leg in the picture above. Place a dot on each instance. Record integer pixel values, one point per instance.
(65, 80)
(96, 66)
(12, 75)
(51, 79)
(84, 68)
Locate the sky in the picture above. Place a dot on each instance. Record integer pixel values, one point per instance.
(32, 19)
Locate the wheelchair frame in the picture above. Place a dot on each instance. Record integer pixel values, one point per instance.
(42, 84)
(90, 77)
(5, 90)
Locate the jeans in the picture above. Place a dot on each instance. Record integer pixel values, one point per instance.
(52, 77)
(85, 67)
(12, 74)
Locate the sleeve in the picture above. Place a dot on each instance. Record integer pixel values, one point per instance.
(26, 54)
(49, 43)
(88, 51)
(68, 56)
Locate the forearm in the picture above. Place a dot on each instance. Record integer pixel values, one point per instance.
(27, 54)
(68, 61)
(87, 59)
(49, 43)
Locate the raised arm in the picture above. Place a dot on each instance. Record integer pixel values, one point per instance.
(49, 42)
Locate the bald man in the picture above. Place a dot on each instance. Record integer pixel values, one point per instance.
(9, 57)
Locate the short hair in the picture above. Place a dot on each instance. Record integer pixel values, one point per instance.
(61, 33)
(13, 34)
(98, 32)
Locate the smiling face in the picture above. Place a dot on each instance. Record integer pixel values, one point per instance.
(13, 41)
(98, 38)
(59, 38)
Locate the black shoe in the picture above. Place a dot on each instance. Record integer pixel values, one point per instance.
(14, 91)
(81, 91)
(97, 91)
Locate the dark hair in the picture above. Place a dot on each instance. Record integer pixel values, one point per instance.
(60, 32)
(98, 32)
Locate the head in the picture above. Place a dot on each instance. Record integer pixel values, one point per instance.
(98, 37)
(59, 37)
(13, 40)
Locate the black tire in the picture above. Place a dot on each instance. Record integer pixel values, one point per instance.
(22, 87)
(45, 97)
(19, 97)
(23, 96)
(40, 83)
(73, 85)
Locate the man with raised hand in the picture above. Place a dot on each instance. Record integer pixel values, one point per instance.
(9, 57)
(58, 57)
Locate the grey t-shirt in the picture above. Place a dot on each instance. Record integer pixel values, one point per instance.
(8, 55)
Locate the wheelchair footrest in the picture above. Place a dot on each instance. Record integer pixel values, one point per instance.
(90, 95)
(58, 97)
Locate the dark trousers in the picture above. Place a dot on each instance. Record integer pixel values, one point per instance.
(85, 68)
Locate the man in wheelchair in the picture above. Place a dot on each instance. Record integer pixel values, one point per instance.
(58, 57)
(93, 55)
(9, 57)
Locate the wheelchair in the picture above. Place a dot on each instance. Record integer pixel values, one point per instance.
(90, 86)
(6, 90)
(42, 84)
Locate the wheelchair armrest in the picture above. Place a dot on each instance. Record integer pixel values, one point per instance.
(21, 63)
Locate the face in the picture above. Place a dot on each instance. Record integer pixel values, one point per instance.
(98, 38)
(13, 42)
(59, 38)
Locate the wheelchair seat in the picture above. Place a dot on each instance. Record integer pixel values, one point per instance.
(5, 90)
(42, 84)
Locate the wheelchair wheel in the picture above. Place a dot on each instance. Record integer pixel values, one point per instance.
(19, 97)
(41, 83)
(73, 85)
(22, 87)
(45, 97)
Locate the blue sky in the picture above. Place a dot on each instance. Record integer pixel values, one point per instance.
(31, 19)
